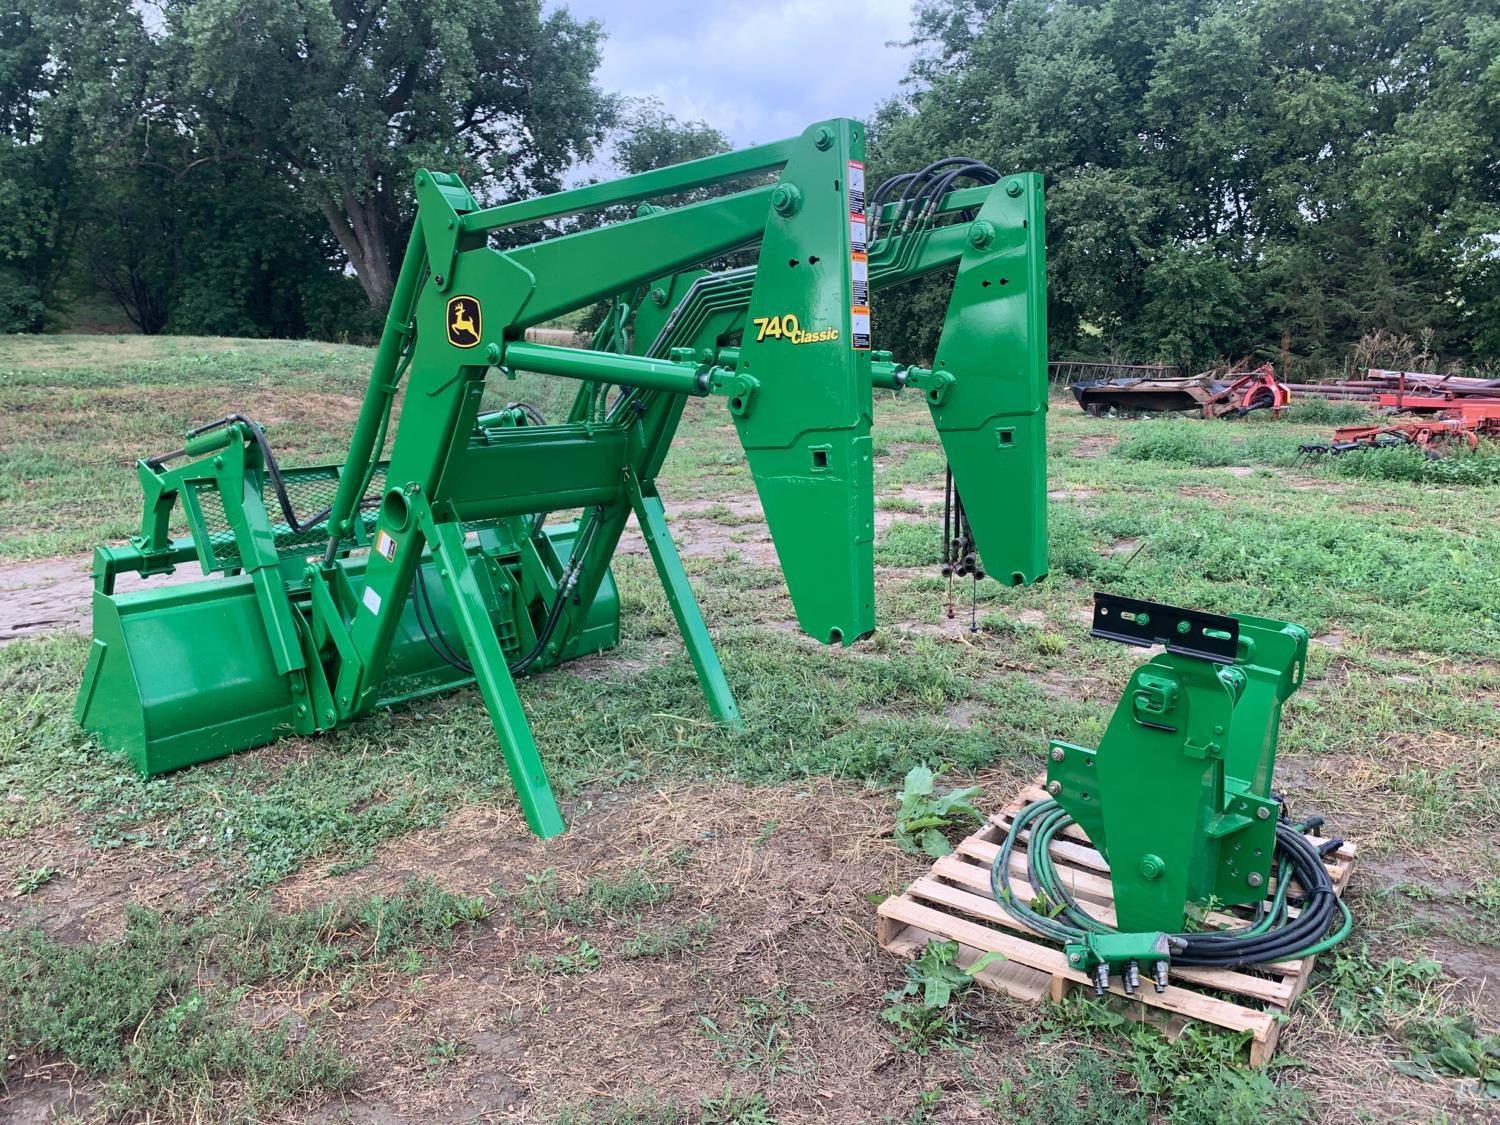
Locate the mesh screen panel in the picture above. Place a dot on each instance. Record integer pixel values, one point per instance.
(310, 492)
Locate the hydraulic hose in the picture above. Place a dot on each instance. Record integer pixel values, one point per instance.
(440, 644)
(1271, 935)
(298, 524)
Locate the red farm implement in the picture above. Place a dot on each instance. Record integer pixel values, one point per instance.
(1458, 425)
(1217, 396)
(1404, 390)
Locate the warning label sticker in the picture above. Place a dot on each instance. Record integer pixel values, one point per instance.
(859, 272)
(859, 261)
(859, 327)
(856, 188)
(385, 546)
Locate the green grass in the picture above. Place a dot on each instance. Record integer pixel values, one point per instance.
(1461, 466)
(154, 1015)
(542, 902)
(669, 940)
(1324, 411)
(763, 1037)
(1394, 738)
(1198, 1080)
(1179, 442)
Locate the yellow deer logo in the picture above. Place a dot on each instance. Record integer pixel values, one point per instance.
(463, 322)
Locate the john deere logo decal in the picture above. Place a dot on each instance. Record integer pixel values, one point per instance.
(463, 322)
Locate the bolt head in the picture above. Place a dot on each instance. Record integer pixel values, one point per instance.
(785, 200)
(1013, 188)
(1058, 753)
(823, 138)
(1263, 813)
(1055, 788)
(1255, 879)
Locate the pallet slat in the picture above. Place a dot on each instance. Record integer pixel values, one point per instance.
(953, 902)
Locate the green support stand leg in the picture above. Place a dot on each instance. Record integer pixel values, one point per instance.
(653, 520)
(543, 816)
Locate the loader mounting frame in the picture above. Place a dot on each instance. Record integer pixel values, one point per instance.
(438, 565)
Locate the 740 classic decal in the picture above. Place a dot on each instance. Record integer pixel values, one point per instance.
(788, 327)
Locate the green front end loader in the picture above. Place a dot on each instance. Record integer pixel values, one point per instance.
(456, 545)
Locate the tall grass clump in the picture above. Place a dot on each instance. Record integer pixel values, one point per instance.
(1327, 412)
(1412, 463)
(1177, 443)
(1205, 444)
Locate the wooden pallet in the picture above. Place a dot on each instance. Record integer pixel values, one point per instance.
(953, 902)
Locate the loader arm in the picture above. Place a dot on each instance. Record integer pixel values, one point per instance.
(437, 563)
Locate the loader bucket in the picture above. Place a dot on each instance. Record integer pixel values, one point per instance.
(183, 674)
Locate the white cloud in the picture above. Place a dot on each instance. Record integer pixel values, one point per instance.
(757, 72)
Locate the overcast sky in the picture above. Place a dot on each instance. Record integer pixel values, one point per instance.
(757, 70)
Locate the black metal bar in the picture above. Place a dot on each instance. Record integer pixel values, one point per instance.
(1189, 632)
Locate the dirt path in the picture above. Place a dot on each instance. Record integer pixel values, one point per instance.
(46, 595)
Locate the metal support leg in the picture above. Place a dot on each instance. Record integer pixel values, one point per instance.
(499, 690)
(648, 510)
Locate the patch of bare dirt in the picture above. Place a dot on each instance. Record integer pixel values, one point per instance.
(86, 899)
(1096, 445)
(1061, 685)
(49, 594)
(783, 873)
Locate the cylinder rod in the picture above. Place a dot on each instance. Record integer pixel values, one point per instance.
(379, 392)
(606, 367)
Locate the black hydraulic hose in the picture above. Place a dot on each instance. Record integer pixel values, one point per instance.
(928, 177)
(440, 644)
(922, 191)
(273, 470)
(435, 638)
(935, 189)
(948, 523)
(1271, 936)
(530, 411)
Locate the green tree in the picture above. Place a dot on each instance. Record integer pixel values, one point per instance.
(36, 167)
(1227, 175)
(345, 99)
(650, 138)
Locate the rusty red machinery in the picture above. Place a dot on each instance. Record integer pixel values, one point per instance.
(1234, 394)
(1460, 424)
(1403, 390)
